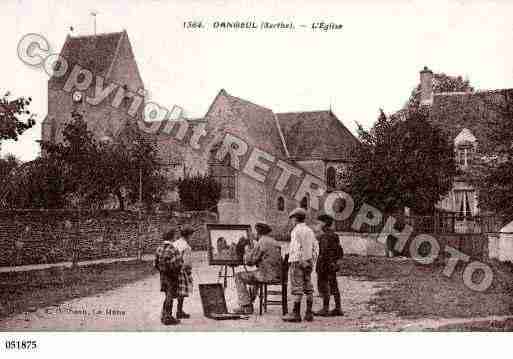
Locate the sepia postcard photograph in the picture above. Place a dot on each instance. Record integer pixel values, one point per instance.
(255, 166)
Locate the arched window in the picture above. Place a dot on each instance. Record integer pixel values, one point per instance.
(281, 204)
(331, 177)
(304, 202)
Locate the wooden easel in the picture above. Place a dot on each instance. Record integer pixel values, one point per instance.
(223, 274)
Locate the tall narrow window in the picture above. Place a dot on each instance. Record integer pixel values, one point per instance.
(464, 154)
(331, 177)
(465, 203)
(304, 202)
(281, 204)
(224, 174)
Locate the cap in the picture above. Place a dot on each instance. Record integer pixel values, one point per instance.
(186, 231)
(263, 228)
(326, 218)
(298, 212)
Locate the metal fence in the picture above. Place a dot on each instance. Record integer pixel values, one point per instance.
(439, 223)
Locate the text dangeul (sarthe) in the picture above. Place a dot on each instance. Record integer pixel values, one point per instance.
(261, 25)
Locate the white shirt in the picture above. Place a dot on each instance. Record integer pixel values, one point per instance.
(185, 250)
(303, 244)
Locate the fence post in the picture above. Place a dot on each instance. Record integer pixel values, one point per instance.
(76, 244)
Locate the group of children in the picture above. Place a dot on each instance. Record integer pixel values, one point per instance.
(173, 261)
(306, 253)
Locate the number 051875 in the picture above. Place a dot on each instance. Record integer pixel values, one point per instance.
(20, 344)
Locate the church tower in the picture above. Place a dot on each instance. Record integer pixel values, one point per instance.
(110, 60)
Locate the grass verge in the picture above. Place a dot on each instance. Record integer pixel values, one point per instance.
(27, 291)
(414, 291)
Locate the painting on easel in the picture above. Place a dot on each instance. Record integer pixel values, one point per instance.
(226, 243)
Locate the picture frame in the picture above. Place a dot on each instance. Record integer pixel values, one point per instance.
(224, 243)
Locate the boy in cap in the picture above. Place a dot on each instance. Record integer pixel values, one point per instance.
(169, 263)
(266, 255)
(303, 253)
(330, 252)
(185, 275)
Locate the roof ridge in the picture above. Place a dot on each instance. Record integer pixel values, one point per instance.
(296, 112)
(247, 101)
(116, 54)
(97, 35)
(477, 92)
(282, 138)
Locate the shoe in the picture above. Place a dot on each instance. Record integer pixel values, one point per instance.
(337, 312)
(170, 321)
(295, 315)
(324, 312)
(182, 315)
(309, 314)
(245, 309)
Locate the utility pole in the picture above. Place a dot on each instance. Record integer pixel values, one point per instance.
(140, 251)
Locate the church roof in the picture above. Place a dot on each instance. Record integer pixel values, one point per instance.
(316, 135)
(260, 124)
(294, 135)
(94, 52)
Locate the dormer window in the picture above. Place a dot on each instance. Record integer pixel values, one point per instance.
(465, 146)
(464, 155)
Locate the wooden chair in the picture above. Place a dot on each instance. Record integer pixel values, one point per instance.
(264, 292)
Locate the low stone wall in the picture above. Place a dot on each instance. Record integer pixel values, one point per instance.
(366, 244)
(37, 237)
(500, 246)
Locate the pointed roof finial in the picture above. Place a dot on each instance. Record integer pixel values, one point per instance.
(93, 13)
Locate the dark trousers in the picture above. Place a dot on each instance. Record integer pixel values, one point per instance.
(167, 308)
(327, 284)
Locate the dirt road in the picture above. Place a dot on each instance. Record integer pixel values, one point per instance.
(136, 307)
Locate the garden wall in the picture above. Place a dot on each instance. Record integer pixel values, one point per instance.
(37, 237)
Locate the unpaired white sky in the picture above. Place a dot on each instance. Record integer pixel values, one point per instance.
(373, 62)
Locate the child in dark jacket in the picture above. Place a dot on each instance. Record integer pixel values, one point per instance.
(330, 252)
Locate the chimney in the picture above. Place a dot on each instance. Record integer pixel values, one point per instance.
(426, 86)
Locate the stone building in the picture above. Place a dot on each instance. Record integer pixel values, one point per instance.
(106, 56)
(316, 142)
(467, 119)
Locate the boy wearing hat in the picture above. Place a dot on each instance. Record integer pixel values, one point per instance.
(266, 255)
(169, 263)
(303, 253)
(330, 252)
(185, 275)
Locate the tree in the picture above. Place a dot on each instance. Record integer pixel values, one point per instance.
(402, 164)
(199, 192)
(7, 166)
(492, 172)
(94, 170)
(15, 117)
(36, 184)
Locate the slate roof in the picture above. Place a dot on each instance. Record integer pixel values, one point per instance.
(260, 124)
(95, 53)
(476, 111)
(316, 135)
